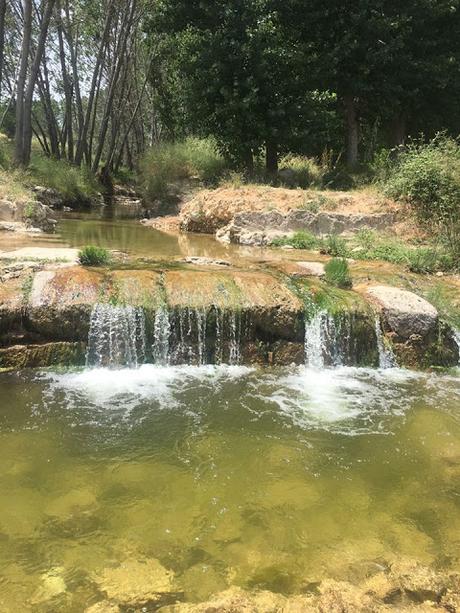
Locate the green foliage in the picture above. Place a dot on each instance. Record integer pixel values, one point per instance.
(300, 171)
(94, 256)
(427, 176)
(336, 246)
(298, 240)
(338, 273)
(74, 184)
(166, 165)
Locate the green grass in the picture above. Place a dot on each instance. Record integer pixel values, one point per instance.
(299, 240)
(338, 273)
(371, 245)
(94, 256)
(168, 165)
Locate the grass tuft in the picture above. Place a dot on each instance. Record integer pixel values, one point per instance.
(94, 256)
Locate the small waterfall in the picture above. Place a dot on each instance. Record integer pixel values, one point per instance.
(116, 337)
(228, 336)
(330, 341)
(190, 325)
(457, 341)
(161, 334)
(235, 338)
(387, 358)
(315, 340)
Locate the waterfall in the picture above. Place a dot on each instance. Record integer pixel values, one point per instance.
(330, 341)
(229, 322)
(387, 358)
(457, 341)
(161, 333)
(116, 336)
(315, 340)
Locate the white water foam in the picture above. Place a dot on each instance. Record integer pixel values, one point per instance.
(103, 386)
(345, 398)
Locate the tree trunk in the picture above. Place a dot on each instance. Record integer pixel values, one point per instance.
(352, 132)
(398, 131)
(248, 161)
(94, 89)
(271, 158)
(27, 126)
(22, 76)
(67, 91)
(111, 92)
(2, 40)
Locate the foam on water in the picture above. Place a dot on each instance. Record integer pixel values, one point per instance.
(103, 386)
(344, 398)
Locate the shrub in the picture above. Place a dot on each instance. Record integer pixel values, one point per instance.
(167, 165)
(427, 176)
(300, 171)
(94, 256)
(335, 246)
(74, 184)
(298, 240)
(338, 273)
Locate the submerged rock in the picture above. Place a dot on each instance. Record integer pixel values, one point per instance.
(137, 583)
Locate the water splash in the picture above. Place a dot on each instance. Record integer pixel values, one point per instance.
(161, 334)
(116, 337)
(387, 358)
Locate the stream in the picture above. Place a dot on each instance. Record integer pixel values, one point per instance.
(267, 478)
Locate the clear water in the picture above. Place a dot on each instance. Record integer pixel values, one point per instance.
(226, 475)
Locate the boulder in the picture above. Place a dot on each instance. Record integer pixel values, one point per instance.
(403, 312)
(32, 214)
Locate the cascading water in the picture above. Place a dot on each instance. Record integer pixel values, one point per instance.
(230, 322)
(116, 337)
(457, 341)
(387, 358)
(161, 334)
(330, 341)
(315, 340)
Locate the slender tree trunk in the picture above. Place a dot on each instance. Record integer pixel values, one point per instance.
(22, 76)
(67, 91)
(352, 132)
(27, 126)
(271, 158)
(111, 93)
(248, 161)
(95, 83)
(398, 131)
(2, 41)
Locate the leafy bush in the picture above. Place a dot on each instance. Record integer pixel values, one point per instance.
(298, 240)
(167, 165)
(94, 256)
(74, 184)
(427, 176)
(338, 273)
(335, 246)
(300, 171)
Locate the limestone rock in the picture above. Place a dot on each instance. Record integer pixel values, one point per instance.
(419, 582)
(136, 583)
(404, 312)
(104, 606)
(202, 261)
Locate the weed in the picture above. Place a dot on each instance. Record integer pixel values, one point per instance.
(338, 273)
(94, 256)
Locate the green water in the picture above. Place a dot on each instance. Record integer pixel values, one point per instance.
(128, 236)
(226, 475)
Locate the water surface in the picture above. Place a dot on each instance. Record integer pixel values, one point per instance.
(227, 475)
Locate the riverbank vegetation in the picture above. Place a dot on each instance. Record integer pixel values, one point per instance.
(174, 96)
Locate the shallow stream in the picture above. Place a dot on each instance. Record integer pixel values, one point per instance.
(272, 479)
